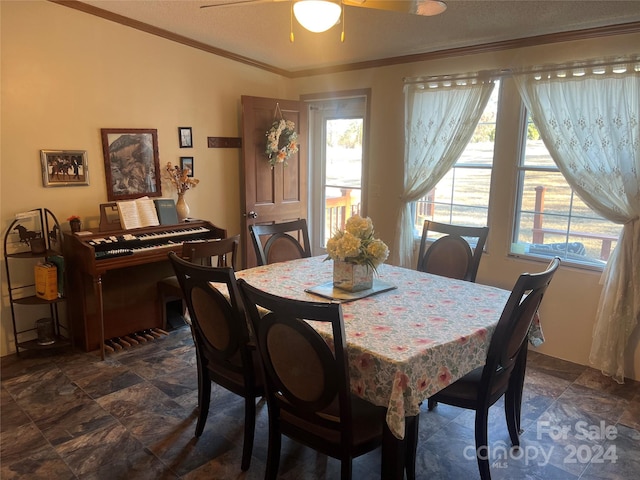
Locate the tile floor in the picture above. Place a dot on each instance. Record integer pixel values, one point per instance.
(70, 415)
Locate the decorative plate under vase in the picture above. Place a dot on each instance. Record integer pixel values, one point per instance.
(352, 277)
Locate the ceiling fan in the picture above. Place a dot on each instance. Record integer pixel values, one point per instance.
(320, 15)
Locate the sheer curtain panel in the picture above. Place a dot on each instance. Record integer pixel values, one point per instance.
(440, 118)
(589, 119)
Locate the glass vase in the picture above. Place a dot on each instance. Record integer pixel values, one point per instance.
(352, 277)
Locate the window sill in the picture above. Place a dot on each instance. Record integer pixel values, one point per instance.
(566, 262)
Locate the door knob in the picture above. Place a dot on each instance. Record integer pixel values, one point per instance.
(252, 214)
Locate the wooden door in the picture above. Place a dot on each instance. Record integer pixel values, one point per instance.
(271, 195)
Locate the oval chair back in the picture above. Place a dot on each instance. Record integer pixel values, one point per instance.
(451, 255)
(280, 242)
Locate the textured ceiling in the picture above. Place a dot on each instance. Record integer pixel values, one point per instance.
(260, 31)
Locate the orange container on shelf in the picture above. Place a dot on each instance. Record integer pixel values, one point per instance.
(46, 276)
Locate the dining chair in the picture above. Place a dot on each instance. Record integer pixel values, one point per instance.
(451, 255)
(225, 353)
(503, 372)
(277, 243)
(307, 380)
(222, 250)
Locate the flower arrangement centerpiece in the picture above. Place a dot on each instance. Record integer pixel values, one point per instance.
(282, 132)
(356, 254)
(180, 179)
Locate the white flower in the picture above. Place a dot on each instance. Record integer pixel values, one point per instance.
(356, 244)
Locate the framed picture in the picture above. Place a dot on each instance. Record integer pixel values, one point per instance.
(131, 163)
(187, 163)
(184, 135)
(64, 168)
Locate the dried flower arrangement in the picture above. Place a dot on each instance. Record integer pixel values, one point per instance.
(180, 178)
(274, 151)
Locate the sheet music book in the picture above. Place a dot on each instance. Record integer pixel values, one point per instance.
(167, 213)
(137, 213)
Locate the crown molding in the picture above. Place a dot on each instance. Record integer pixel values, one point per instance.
(610, 30)
(621, 29)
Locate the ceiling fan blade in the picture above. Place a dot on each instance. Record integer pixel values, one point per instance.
(416, 7)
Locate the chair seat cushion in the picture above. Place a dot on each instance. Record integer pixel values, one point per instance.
(464, 391)
(235, 377)
(368, 421)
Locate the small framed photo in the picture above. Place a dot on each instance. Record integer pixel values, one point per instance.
(131, 163)
(185, 137)
(64, 168)
(186, 163)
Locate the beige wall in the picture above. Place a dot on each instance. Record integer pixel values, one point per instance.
(66, 74)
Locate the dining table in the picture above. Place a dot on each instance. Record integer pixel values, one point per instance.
(403, 344)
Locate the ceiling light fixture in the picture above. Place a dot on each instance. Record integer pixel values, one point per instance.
(429, 8)
(317, 15)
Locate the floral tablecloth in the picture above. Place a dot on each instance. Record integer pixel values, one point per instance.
(406, 344)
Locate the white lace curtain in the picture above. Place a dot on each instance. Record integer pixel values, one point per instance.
(440, 118)
(589, 120)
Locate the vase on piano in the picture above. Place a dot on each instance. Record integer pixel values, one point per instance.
(75, 225)
(182, 208)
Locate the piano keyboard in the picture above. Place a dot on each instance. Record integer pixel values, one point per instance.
(132, 243)
(118, 252)
(146, 236)
(172, 233)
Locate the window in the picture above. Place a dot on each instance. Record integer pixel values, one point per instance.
(550, 218)
(337, 128)
(343, 173)
(462, 196)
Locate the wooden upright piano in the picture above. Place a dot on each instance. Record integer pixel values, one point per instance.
(112, 277)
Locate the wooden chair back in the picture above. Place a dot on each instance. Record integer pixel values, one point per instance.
(280, 242)
(451, 255)
(225, 250)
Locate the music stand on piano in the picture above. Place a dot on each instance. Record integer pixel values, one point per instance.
(109, 217)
